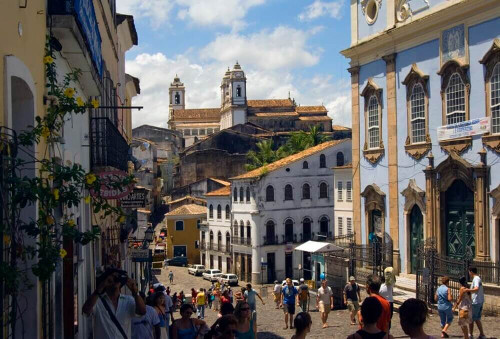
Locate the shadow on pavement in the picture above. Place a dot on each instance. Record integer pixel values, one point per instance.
(268, 335)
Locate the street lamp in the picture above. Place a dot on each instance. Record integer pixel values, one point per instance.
(148, 234)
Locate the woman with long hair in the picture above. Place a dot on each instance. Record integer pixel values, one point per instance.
(186, 327)
(464, 304)
(158, 302)
(247, 326)
(412, 316)
(443, 298)
(302, 324)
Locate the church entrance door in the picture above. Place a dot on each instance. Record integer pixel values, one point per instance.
(459, 221)
(416, 235)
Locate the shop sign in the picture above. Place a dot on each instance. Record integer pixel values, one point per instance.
(136, 199)
(140, 255)
(85, 14)
(289, 247)
(464, 129)
(107, 191)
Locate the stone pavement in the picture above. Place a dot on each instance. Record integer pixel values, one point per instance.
(271, 321)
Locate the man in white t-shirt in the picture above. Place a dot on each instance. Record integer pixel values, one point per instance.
(147, 326)
(477, 302)
(324, 302)
(123, 307)
(277, 293)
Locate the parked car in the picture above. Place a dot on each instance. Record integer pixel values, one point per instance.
(196, 269)
(294, 282)
(211, 275)
(178, 261)
(228, 279)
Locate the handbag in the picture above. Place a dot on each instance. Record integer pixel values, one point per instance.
(463, 314)
(113, 318)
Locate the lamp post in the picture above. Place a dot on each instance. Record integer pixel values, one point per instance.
(148, 238)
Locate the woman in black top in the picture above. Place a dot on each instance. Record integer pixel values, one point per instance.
(371, 309)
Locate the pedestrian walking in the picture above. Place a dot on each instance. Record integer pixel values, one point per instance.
(464, 304)
(216, 301)
(223, 328)
(288, 300)
(182, 298)
(477, 302)
(386, 292)
(352, 297)
(169, 306)
(412, 316)
(112, 311)
(209, 297)
(193, 297)
(200, 304)
(370, 311)
(277, 293)
(230, 294)
(373, 284)
(247, 325)
(302, 323)
(174, 301)
(147, 326)
(304, 296)
(187, 327)
(168, 291)
(224, 299)
(240, 295)
(250, 295)
(171, 276)
(443, 298)
(324, 302)
(158, 303)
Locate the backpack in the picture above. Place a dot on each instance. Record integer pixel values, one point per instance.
(303, 294)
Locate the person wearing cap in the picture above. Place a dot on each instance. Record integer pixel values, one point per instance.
(304, 296)
(277, 293)
(352, 297)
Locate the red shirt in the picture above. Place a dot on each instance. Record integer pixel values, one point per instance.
(224, 300)
(385, 317)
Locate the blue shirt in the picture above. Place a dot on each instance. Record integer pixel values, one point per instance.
(250, 295)
(289, 295)
(443, 303)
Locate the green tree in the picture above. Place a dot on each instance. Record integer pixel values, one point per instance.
(264, 155)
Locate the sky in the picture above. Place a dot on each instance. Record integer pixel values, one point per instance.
(284, 46)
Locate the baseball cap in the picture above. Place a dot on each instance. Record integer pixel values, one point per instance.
(351, 278)
(301, 280)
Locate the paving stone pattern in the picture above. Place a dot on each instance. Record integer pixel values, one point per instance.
(271, 320)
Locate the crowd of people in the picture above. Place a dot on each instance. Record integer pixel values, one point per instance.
(152, 316)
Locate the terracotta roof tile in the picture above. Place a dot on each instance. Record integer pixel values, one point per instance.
(196, 114)
(191, 209)
(275, 114)
(222, 182)
(270, 103)
(311, 109)
(224, 191)
(340, 128)
(316, 118)
(288, 160)
(186, 197)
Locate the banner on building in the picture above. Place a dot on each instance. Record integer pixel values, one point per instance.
(464, 129)
(108, 190)
(136, 199)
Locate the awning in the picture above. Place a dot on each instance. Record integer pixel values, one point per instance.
(318, 247)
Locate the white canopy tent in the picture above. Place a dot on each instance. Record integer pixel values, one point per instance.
(318, 247)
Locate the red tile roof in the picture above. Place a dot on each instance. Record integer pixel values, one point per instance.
(270, 103)
(191, 209)
(311, 109)
(205, 114)
(224, 191)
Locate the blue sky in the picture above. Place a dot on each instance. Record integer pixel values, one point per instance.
(282, 45)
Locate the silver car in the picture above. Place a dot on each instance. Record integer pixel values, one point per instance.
(229, 279)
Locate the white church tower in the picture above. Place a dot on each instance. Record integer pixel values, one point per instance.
(177, 95)
(233, 97)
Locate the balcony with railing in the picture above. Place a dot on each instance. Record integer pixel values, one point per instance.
(210, 246)
(241, 241)
(294, 238)
(107, 145)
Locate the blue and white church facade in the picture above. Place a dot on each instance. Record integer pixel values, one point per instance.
(417, 67)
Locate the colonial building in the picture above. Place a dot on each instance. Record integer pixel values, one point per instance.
(278, 115)
(342, 181)
(216, 234)
(280, 205)
(415, 66)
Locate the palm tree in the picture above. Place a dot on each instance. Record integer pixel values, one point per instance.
(315, 136)
(264, 155)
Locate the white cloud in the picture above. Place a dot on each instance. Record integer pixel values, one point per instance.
(284, 47)
(319, 8)
(216, 12)
(156, 10)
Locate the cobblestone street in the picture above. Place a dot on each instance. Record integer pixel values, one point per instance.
(271, 321)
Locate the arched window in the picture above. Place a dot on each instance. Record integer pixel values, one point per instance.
(306, 191)
(219, 212)
(340, 159)
(249, 230)
(322, 161)
(289, 230)
(228, 242)
(248, 194)
(177, 98)
(235, 228)
(211, 237)
(238, 91)
(179, 225)
(305, 165)
(203, 237)
(323, 190)
(228, 212)
(417, 104)
(270, 234)
(323, 225)
(288, 192)
(306, 229)
(219, 238)
(242, 195)
(495, 99)
(373, 123)
(269, 193)
(211, 212)
(235, 195)
(455, 100)
(242, 229)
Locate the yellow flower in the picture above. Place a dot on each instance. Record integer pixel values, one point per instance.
(71, 222)
(122, 219)
(55, 193)
(45, 131)
(91, 178)
(48, 60)
(95, 103)
(79, 102)
(62, 253)
(87, 199)
(69, 92)
(50, 220)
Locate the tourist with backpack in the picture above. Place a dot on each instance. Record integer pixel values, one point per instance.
(304, 296)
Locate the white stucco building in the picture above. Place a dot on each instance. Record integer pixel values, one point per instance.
(278, 206)
(342, 179)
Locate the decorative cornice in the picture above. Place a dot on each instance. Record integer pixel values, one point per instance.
(354, 70)
(415, 72)
(414, 195)
(456, 64)
(371, 86)
(373, 155)
(495, 48)
(492, 141)
(389, 58)
(418, 151)
(457, 146)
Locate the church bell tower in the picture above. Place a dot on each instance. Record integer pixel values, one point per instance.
(234, 97)
(177, 95)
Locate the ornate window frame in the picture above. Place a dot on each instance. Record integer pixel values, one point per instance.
(373, 155)
(490, 60)
(447, 70)
(417, 150)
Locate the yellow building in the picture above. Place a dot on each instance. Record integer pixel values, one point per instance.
(183, 232)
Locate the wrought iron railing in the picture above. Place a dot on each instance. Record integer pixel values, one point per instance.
(242, 241)
(108, 147)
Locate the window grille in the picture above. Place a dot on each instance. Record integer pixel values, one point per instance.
(455, 100)
(339, 191)
(417, 102)
(194, 131)
(340, 226)
(373, 123)
(349, 191)
(349, 225)
(187, 131)
(495, 99)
